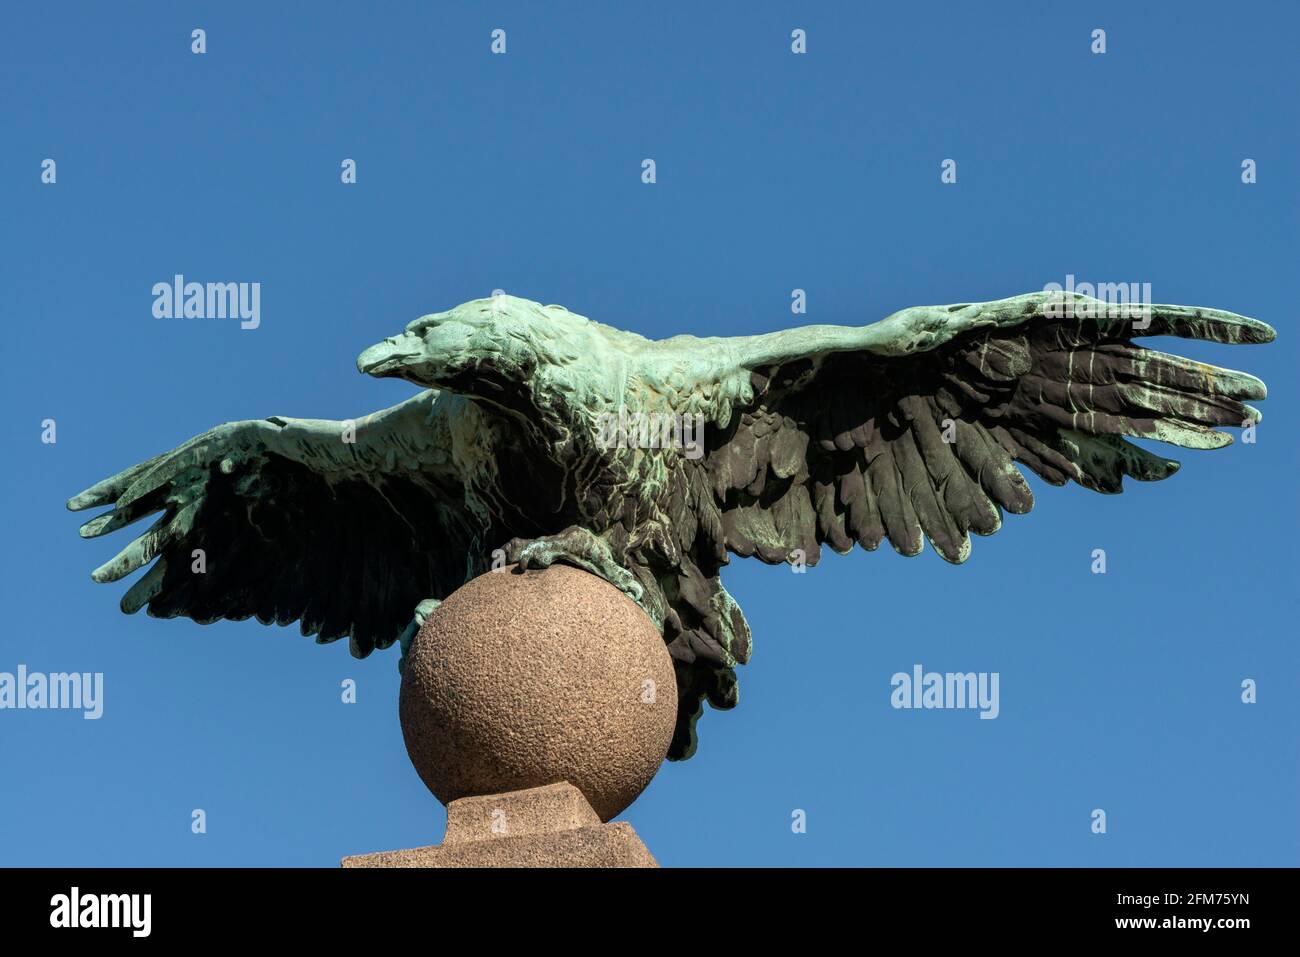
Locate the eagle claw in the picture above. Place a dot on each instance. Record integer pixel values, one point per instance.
(422, 612)
(579, 547)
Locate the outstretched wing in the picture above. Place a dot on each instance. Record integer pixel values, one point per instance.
(910, 428)
(344, 526)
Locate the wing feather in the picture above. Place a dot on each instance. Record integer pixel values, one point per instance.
(911, 429)
(281, 520)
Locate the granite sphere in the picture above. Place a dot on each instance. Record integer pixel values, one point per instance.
(527, 678)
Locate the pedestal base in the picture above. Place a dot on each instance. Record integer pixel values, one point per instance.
(551, 826)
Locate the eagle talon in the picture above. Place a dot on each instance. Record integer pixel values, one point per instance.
(422, 612)
(578, 547)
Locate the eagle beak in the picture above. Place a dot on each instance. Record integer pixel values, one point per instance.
(385, 357)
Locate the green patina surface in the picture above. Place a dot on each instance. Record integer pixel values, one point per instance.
(909, 430)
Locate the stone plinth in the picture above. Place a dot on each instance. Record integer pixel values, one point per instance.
(550, 826)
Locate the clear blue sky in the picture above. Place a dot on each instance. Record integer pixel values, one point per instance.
(775, 171)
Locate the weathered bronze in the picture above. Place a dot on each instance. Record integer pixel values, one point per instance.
(531, 442)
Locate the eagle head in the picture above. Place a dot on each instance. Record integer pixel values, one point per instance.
(486, 341)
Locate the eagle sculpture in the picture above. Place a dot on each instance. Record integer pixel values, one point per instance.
(907, 429)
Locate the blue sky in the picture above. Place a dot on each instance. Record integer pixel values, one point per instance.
(775, 171)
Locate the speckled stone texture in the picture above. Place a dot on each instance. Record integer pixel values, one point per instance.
(551, 826)
(526, 679)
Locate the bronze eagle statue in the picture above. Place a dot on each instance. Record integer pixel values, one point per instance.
(909, 429)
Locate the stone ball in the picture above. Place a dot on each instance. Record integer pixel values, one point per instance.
(521, 679)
